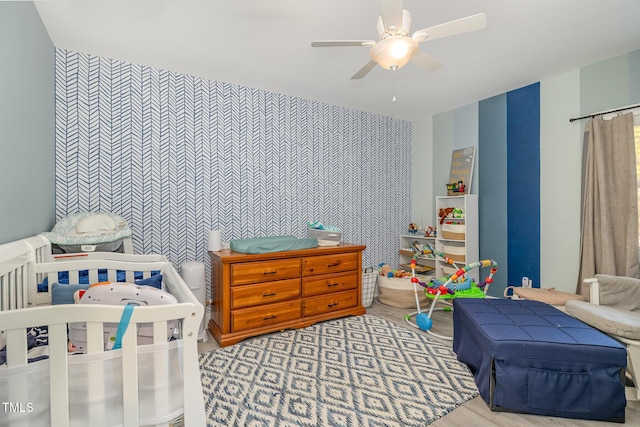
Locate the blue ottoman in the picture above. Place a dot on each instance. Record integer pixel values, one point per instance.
(527, 356)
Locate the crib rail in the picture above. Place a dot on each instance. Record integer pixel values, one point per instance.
(115, 256)
(25, 263)
(17, 263)
(41, 247)
(93, 267)
(58, 317)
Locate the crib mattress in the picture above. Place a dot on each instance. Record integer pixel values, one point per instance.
(527, 356)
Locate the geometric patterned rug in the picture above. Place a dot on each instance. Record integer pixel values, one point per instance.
(353, 371)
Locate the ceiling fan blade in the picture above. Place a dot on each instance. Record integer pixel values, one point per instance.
(426, 61)
(392, 14)
(462, 25)
(341, 43)
(364, 70)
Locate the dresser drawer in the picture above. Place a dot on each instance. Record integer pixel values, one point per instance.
(324, 264)
(270, 314)
(262, 271)
(264, 293)
(330, 302)
(318, 285)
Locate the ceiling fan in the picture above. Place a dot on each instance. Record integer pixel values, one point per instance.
(395, 48)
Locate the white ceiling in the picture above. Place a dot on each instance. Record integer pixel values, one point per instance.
(266, 44)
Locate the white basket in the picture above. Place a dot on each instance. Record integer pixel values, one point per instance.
(369, 277)
(399, 292)
(455, 251)
(453, 231)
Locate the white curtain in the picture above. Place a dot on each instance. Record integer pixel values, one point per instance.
(609, 243)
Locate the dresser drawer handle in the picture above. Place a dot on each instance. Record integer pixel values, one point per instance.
(269, 317)
(333, 284)
(269, 294)
(335, 264)
(332, 304)
(269, 272)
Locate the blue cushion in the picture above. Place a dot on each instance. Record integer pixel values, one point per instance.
(155, 281)
(63, 294)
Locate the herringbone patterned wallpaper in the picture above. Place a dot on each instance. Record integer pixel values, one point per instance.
(177, 156)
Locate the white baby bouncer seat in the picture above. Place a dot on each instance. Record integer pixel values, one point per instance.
(91, 232)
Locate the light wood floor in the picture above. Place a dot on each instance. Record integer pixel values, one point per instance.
(474, 413)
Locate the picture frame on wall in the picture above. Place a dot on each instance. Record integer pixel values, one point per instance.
(461, 171)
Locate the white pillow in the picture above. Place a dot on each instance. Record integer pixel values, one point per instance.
(95, 224)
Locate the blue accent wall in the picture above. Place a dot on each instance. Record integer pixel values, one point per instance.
(509, 187)
(492, 188)
(523, 184)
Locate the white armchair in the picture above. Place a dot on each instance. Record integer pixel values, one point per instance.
(614, 308)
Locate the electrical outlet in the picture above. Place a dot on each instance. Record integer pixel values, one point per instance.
(526, 283)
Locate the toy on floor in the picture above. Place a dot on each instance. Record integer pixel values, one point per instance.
(387, 271)
(446, 289)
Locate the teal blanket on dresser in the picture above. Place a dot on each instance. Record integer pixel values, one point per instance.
(261, 245)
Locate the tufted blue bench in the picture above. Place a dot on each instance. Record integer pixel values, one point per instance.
(527, 356)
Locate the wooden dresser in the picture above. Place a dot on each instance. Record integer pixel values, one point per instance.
(253, 294)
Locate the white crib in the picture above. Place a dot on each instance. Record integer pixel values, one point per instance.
(155, 384)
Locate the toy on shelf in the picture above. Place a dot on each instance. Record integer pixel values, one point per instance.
(446, 289)
(430, 231)
(455, 188)
(450, 212)
(413, 228)
(445, 213)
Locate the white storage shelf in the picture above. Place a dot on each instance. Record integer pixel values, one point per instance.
(406, 252)
(458, 241)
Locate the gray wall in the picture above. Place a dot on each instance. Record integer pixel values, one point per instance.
(27, 198)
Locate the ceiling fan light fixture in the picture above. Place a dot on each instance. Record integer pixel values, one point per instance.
(394, 52)
(419, 37)
(395, 48)
(391, 30)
